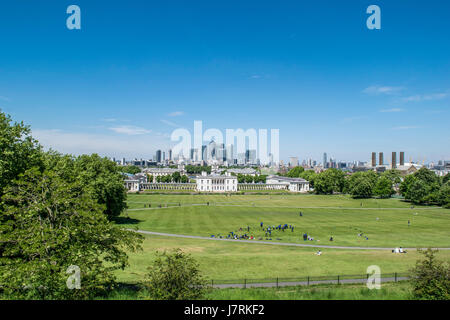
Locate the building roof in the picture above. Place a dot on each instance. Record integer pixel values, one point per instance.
(242, 171)
(161, 170)
(286, 179)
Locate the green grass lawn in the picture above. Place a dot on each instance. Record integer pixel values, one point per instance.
(388, 291)
(223, 260)
(384, 222)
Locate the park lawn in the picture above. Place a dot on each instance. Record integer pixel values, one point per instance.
(226, 260)
(295, 200)
(389, 291)
(384, 226)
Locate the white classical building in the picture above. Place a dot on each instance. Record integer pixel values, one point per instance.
(244, 171)
(292, 184)
(216, 183)
(156, 172)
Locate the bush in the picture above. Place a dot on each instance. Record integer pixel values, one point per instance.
(175, 276)
(430, 278)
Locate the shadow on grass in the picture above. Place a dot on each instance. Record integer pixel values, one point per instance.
(126, 220)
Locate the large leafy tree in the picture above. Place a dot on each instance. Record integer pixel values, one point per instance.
(383, 187)
(18, 150)
(295, 172)
(329, 181)
(362, 187)
(53, 222)
(104, 181)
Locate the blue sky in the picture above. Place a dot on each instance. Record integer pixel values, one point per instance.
(139, 69)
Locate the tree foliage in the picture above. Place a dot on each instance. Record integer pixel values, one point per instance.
(431, 278)
(175, 276)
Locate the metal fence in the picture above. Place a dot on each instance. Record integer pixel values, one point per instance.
(307, 280)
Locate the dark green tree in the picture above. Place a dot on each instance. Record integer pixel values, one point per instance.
(54, 222)
(103, 179)
(383, 187)
(175, 276)
(431, 278)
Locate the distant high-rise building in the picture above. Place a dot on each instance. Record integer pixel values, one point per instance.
(324, 159)
(158, 156)
(293, 161)
(394, 160)
(170, 154)
(163, 156)
(374, 159)
(380, 159)
(402, 158)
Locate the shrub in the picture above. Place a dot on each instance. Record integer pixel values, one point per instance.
(431, 278)
(175, 276)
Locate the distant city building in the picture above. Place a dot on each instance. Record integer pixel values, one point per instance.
(402, 158)
(380, 159)
(374, 159)
(394, 160)
(325, 160)
(216, 183)
(293, 161)
(158, 156)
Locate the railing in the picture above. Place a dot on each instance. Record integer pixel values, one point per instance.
(306, 280)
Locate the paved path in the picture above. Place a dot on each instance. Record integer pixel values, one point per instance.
(300, 283)
(268, 242)
(257, 206)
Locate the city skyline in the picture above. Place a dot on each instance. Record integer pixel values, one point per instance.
(121, 85)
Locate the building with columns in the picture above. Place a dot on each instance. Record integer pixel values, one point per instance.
(216, 183)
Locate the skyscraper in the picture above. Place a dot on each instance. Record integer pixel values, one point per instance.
(324, 159)
(402, 158)
(380, 159)
(158, 156)
(394, 160)
(374, 159)
(170, 154)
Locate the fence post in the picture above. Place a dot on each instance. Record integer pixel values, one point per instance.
(277, 282)
(338, 279)
(245, 283)
(396, 277)
(308, 280)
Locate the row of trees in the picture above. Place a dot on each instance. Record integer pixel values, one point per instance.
(422, 187)
(56, 212)
(197, 169)
(247, 178)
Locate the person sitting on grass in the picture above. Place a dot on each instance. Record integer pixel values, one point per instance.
(331, 238)
(319, 253)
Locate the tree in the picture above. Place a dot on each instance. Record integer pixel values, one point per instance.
(176, 177)
(329, 181)
(130, 169)
(383, 187)
(175, 276)
(362, 187)
(417, 191)
(295, 172)
(248, 178)
(393, 175)
(102, 177)
(431, 278)
(184, 178)
(54, 222)
(444, 195)
(19, 151)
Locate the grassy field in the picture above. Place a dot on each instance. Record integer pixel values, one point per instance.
(223, 260)
(383, 222)
(389, 291)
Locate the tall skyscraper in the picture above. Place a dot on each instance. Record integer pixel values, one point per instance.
(380, 159)
(394, 160)
(158, 156)
(374, 159)
(324, 159)
(170, 154)
(402, 158)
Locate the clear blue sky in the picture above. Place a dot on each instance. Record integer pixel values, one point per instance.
(138, 69)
